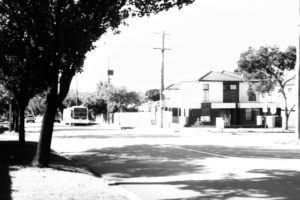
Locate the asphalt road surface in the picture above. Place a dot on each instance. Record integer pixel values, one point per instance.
(156, 164)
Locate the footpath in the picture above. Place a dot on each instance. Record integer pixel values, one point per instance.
(63, 179)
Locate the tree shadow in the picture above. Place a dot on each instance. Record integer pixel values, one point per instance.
(5, 181)
(140, 161)
(277, 184)
(13, 156)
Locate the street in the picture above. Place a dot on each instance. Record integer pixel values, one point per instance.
(156, 164)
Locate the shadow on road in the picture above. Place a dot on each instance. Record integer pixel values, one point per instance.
(139, 161)
(279, 184)
(145, 161)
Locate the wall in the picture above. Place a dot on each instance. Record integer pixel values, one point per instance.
(141, 119)
(215, 91)
(229, 94)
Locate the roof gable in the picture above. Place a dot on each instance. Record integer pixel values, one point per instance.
(221, 76)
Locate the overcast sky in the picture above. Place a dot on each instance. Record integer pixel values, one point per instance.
(207, 35)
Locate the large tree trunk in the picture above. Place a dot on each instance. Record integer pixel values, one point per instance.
(21, 122)
(16, 118)
(53, 100)
(21, 125)
(42, 156)
(11, 117)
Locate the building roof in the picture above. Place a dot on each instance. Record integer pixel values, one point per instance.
(178, 85)
(221, 76)
(175, 86)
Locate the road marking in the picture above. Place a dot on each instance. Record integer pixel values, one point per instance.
(202, 152)
(218, 155)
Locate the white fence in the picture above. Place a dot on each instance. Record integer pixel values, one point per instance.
(136, 119)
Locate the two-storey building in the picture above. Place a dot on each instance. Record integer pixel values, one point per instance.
(216, 94)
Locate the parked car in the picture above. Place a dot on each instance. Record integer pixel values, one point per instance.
(3, 118)
(57, 119)
(30, 118)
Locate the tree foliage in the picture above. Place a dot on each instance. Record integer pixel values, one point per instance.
(58, 34)
(152, 95)
(4, 100)
(21, 61)
(117, 98)
(37, 104)
(96, 104)
(72, 99)
(270, 67)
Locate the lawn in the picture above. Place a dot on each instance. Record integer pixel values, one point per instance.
(63, 179)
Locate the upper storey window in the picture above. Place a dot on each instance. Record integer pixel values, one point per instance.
(232, 87)
(205, 92)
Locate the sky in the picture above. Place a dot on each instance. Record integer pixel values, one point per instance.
(204, 36)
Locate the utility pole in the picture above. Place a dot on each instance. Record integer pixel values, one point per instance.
(109, 73)
(162, 74)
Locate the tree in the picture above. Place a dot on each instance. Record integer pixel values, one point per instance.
(270, 67)
(20, 56)
(96, 104)
(117, 98)
(61, 33)
(4, 100)
(124, 100)
(37, 104)
(153, 95)
(72, 100)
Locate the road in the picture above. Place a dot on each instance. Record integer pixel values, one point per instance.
(156, 164)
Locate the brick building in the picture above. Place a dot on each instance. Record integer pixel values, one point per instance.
(217, 94)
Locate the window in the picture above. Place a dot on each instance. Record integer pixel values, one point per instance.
(252, 96)
(233, 87)
(205, 118)
(205, 92)
(205, 87)
(229, 87)
(251, 93)
(248, 113)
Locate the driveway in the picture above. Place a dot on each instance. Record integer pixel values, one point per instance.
(157, 164)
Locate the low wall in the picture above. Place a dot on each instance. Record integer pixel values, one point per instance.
(134, 119)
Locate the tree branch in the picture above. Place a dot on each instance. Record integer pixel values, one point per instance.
(289, 80)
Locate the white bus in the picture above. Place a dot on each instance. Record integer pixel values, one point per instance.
(76, 115)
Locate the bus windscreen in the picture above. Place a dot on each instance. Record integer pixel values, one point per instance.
(80, 113)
